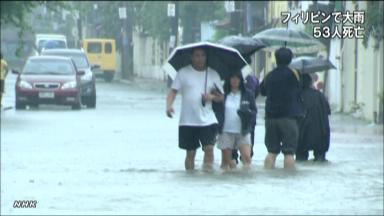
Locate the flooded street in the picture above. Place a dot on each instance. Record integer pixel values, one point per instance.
(123, 158)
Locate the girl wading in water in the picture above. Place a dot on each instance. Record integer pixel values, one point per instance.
(235, 114)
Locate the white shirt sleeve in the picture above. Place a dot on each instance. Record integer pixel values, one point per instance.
(176, 84)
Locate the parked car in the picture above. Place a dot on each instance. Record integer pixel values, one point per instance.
(48, 80)
(102, 52)
(50, 41)
(88, 80)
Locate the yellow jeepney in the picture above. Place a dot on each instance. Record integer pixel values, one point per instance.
(102, 51)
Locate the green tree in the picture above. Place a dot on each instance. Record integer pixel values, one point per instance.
(150, 17)
(192, 13)
(17, 14)
(220, 33)
(374, 24)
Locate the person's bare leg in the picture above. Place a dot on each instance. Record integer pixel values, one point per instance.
(245, 152)
(222, 166)
(289, 161)
(269, 162)
(227, 157)
(208, 156)
(190, 160)
(232, 164)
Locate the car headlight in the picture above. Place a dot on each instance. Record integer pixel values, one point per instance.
(87, 77)
(69, 85)
(25, 85)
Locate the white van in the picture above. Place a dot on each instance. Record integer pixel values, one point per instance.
(59, 41)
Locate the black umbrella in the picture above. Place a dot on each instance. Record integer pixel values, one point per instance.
(225, 60)
(308, 64)
(245, 45)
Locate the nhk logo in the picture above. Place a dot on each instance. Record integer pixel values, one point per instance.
(25, 204)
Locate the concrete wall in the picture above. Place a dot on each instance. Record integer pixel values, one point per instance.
(370, 78)
(149, 56)
(348, 72)
(334, 84)
(361, 84)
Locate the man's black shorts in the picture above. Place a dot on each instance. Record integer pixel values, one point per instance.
(191, 137)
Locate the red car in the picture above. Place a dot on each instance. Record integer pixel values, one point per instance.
(48, 80)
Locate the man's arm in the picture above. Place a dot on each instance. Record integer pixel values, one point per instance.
(215, 96)
(218, 97)
(170, 99)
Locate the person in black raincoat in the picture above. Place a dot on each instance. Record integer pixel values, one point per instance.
(314, 130)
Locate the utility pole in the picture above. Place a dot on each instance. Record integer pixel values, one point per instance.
(230, 7)
(79, 19)
(124, 42)
(175, 25)
(126, 37)
(245, 17)
(173, 13)
(236, 21)
(129, 30)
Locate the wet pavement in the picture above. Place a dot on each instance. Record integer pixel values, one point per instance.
(122, 158)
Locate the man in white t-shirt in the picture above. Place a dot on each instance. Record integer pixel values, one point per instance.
(198, 123)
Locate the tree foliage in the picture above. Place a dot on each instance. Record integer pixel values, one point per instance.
(374, 24)
(193, 13)
(150, 17)
(17, 14)
(220, 33)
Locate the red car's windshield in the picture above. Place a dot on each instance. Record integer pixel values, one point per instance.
(48, 66)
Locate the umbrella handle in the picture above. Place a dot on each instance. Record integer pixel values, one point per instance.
(205, 85)
(285, 42)
(206, 80)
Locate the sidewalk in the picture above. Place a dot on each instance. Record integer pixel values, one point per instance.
(342, 122)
